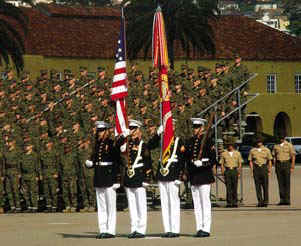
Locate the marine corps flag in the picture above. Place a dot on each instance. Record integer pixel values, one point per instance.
(160, 61)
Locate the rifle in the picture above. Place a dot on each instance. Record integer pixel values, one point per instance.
(204, 140)
(61, 100)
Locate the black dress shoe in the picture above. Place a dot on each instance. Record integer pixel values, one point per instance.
(201, 233)
(198, 233)
(234, 206)
(260, 205)
(132, 235)
(139, 235)
(107, 235)
(281, 203)
(166, 235)
(172, 234)
(100, 236)
(205, 234)
(229, 206)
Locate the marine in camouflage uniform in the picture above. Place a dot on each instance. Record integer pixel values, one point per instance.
(31, 173)
(50, 170)
(12, 173)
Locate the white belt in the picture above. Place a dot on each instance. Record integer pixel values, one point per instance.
(205, 159)
(104, 163)
(138, 165)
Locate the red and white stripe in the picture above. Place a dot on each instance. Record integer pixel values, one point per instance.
(120, 120)
(119, 86)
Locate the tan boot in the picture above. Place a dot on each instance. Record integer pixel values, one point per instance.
(84, 210)
(67, 210)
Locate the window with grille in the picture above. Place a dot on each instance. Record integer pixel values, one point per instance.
(298, 83)
(271, 83)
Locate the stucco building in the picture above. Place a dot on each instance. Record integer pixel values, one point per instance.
(66, 37)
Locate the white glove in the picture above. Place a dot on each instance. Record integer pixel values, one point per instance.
(89, 163)
(178, 182)
(198, 163)
(145, 185)
(126, 133)
(160, 130)
(123, 148)
(115, 186)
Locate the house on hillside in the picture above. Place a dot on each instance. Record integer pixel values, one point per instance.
(264, 5)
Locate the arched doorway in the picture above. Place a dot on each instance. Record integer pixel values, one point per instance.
(254, 123)
(282, 125)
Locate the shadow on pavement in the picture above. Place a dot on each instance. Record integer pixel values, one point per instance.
(93, 235)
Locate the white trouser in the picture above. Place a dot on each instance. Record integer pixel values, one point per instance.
(138, 209)
(202, 206)
(106, 206)
(170, 205)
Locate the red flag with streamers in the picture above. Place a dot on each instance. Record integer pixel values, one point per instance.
(160, 61)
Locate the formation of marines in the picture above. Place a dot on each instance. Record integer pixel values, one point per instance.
(56, 126)
(47, 124)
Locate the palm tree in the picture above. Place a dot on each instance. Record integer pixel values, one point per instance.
(186, 21)
(293, 10)
(11, 40)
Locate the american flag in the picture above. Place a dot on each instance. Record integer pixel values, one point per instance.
(119, 86)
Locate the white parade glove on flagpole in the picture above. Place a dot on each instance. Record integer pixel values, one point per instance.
(89, 163)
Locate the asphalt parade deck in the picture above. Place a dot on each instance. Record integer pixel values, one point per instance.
(246, 225)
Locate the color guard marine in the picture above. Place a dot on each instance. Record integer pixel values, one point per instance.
(200, 159)
(170, 176)
(137, 177)
(105, 160)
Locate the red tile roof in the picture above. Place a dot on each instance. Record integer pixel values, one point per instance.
(92, 33)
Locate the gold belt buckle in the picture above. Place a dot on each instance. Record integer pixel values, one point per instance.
(131, 172)
(164, 171)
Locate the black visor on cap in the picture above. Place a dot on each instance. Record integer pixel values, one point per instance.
(101, 129)
(196, 126)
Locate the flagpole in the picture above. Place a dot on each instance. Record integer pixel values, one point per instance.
(127, 154)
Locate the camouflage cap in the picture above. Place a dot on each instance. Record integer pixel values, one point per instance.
(67, 71)
(137, 73)
(100, 69)
(207, 70)
(8, 69)
(237, 55)
(201, 69)
(24, 75)
(53, 71)
(43, 72)
(142, 104)
(184, 66)
(218, 65)
(190, 71)
(155, 76)
(151, 69)
(82, 68)
(230, 141)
